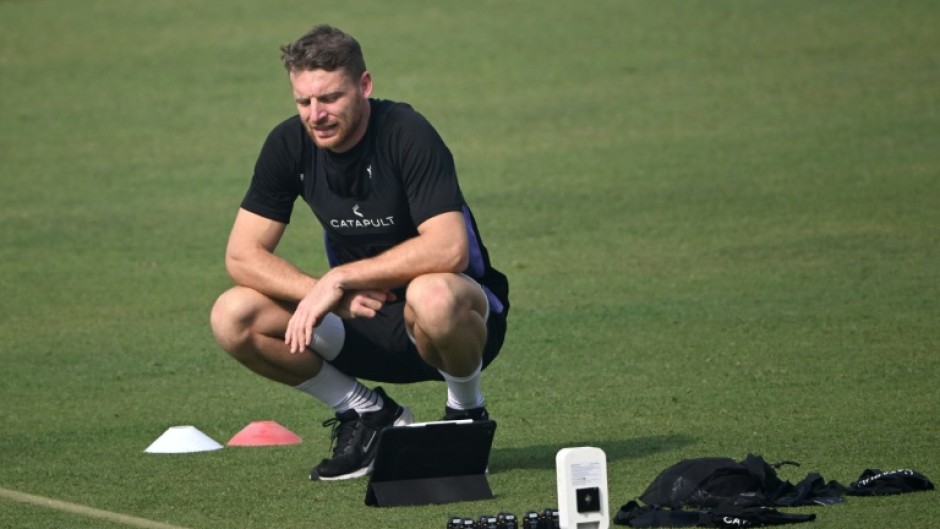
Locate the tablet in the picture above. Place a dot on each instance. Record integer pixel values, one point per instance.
(437, 462)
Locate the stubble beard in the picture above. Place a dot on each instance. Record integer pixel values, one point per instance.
(341, 140)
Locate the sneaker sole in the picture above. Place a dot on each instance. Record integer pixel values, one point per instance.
(352, 475)
(404, 419)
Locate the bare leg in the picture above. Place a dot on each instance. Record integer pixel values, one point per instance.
(444, 313)
(250, 327)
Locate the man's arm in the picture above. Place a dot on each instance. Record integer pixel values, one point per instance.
(250, 259)
(442, 245)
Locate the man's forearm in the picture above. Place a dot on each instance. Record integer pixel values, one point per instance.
(269, 274)
(441, 246)
(399, 265)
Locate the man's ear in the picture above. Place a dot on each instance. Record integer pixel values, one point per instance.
(365, 84)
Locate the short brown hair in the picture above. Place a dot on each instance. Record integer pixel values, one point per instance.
(324, 48)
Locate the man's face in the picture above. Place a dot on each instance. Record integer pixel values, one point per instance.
(333, 107)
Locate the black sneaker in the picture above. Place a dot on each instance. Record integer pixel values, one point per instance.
(476, 414)
(354, 439)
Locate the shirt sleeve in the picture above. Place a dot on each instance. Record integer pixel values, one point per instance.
(276, 182)
(426, 167)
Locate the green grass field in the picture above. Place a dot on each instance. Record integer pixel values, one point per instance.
(720, 219)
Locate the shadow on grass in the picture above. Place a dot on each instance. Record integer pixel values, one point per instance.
(543, 456)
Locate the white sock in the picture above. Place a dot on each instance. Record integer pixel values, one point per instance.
(463, 393)
(340, 391)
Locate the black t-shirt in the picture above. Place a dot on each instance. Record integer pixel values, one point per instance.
(373, 196)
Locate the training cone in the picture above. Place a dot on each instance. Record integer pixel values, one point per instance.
(182, 440)
(264, 433)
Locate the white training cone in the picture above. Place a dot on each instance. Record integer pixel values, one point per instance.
(182, 440)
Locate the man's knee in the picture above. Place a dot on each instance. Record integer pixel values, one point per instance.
(232, 316)
(444, 301)
(433, 297)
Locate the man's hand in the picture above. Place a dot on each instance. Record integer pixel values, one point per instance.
(323, 298)
(363, 303)
(328, 295)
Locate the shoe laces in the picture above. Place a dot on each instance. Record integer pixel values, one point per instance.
(342, 433)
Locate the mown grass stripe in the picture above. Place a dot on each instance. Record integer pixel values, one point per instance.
(84, 510)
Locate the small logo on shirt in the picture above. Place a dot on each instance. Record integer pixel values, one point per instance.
(356, 211)
(369, 170)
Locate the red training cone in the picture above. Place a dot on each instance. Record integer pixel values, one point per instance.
(264, 433)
